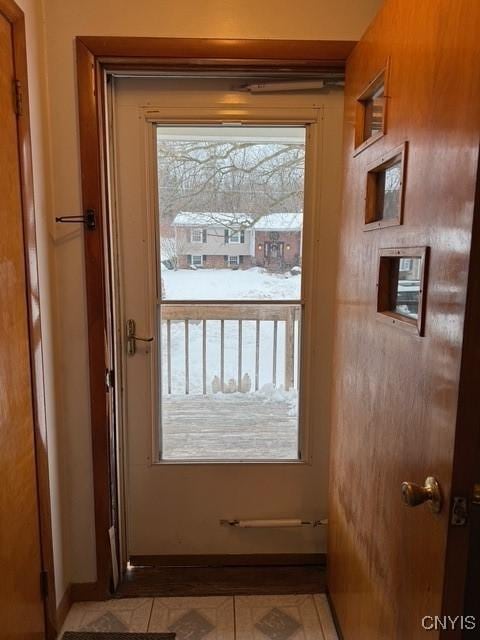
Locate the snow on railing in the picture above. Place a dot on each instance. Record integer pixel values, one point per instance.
(200, 343)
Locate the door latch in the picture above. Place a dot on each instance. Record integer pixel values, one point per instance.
(459, 512)
(132, 338)
(88, 220)
(109, 379)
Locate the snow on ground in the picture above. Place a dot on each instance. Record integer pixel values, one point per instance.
(229, 284)
(269, 394)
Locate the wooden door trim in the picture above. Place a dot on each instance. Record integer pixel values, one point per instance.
(97, 55)
(462, 565)
(135, 52)
(12, 12)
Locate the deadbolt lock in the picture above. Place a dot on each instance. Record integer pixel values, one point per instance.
(414, 494)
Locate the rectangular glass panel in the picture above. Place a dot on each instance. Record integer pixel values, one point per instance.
(407, 293)
(230, 223)
(229, 382)
(234, 196)
(196, 235)
(388, 190)
(374, 113)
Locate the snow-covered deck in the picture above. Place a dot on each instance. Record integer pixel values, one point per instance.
(241, 426)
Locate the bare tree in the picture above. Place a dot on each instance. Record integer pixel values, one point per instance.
(253, 178)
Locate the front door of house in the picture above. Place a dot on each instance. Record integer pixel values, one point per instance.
(224, 436)
(405, 417)
(274, 251)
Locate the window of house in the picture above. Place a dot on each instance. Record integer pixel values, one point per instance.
(406, 264)
(234, 237)
(196, 235)
(197, 261)
(233, 261)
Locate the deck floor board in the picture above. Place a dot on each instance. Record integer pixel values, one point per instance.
(236, 426)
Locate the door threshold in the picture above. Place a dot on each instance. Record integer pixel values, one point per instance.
(229, 560)
(221, 581)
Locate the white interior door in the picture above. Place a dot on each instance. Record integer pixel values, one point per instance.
(225, 399)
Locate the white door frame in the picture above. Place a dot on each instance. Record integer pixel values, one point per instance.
(313, 119)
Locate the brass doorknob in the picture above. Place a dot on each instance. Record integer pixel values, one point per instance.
(414, 494)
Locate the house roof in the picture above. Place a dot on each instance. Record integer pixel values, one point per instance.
(280, 222)
(269, 222)
(211, 219)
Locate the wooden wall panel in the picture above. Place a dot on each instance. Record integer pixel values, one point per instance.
(395, 394)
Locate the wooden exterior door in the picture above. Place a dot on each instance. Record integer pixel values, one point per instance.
(21, 603)
(404, 406)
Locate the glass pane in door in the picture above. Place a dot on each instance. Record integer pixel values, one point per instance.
(230, 230)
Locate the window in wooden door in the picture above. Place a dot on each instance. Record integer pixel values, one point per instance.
(370, 123)
(229, 332)
(402, 287)
(385, 189)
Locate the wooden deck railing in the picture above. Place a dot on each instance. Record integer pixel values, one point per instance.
(288, 314)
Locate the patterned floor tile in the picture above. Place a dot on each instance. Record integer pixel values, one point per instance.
(129, 614)
(277, 618)
(325, 615)
(209, 618)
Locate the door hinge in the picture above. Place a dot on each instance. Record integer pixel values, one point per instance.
(459, 511)
(18, 98)
(109, 379)
(44, 584)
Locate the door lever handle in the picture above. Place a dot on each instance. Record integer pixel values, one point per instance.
(414, 494)
(132, 338)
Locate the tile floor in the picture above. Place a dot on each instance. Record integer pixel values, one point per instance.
(295, 617)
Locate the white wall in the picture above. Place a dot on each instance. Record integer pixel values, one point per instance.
(304, 19)
(37, 81)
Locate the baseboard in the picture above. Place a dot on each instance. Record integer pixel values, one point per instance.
(87, 591)
(64, 607)
(336, 621)
(233, 560)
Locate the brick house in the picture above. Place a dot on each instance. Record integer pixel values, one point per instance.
(214, 240)
(278, 239)
(220, 240)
